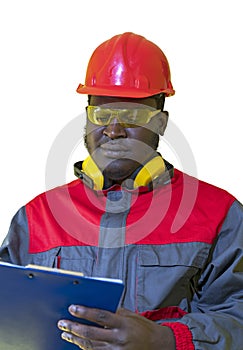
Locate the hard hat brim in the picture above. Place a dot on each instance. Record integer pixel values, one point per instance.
(118, 91)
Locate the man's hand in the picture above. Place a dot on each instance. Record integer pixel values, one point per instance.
(123, 330)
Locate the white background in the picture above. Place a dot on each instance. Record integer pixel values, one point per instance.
(45, 47)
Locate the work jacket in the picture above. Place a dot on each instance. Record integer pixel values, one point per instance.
(178, 248)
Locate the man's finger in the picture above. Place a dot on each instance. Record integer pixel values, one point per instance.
(74, 329)
(101, 317)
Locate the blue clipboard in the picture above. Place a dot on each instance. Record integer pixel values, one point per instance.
(33, 299)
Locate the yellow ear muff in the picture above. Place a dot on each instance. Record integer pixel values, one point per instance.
(91, 170)
(150, 171)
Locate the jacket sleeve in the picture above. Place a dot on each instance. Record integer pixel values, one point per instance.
(15, 246)
(215, 321)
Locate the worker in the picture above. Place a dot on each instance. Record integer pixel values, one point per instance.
(174, 240)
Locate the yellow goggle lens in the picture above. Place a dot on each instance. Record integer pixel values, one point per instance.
(126, 117)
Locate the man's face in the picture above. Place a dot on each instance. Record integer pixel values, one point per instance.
(119, 149)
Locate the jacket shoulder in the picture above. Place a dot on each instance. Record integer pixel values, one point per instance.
(70, 187)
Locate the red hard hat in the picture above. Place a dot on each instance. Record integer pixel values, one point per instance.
(127, 65)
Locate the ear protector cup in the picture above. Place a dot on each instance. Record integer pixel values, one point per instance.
(92, 171)
(149, 172)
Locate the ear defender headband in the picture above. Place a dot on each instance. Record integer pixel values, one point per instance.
(93, 177)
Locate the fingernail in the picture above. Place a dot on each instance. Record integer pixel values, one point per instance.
(66, 336)
(76, 310)
(62, 325)
(73, 308)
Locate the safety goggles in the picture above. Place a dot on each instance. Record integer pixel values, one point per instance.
(128, 118)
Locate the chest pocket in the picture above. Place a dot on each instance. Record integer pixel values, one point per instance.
(79, 259)
(84, 265)
(167, 275)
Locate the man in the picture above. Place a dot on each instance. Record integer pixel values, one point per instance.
(176, 242)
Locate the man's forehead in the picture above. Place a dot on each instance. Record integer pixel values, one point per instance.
(101, 100)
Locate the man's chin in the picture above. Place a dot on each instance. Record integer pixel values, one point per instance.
(120, 169)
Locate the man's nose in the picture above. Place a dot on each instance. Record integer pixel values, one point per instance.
(115, 130)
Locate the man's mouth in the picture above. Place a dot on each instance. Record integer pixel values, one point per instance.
(114, 150)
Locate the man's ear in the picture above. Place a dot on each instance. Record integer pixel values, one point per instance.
(164, 116)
